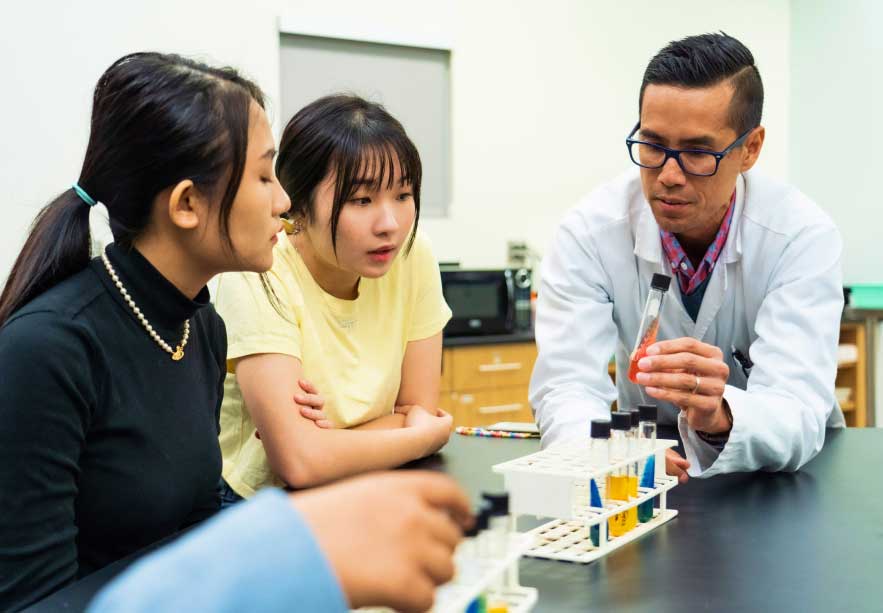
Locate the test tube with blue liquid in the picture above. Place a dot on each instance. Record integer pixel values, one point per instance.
(647, 438)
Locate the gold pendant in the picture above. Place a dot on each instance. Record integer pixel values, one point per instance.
(179, 353)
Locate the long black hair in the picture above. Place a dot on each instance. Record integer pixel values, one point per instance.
(355, 138)
(157, 119)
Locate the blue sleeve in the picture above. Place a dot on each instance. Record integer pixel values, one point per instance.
(257, 556)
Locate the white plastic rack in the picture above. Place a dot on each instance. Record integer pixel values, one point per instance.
(496, 576)
(555, 483)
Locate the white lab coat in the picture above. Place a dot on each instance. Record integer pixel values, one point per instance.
(775, 294)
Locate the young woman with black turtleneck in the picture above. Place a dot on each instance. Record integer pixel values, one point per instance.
(111, 369)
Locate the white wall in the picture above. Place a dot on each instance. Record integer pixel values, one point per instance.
(543, 93)
(544, 96)
(836, 129)
(51, 55)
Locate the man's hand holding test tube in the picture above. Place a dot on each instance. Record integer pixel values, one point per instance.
(691, 375)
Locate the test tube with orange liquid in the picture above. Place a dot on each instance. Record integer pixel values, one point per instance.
(649, 322)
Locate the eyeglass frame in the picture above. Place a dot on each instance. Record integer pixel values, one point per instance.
(676, 153)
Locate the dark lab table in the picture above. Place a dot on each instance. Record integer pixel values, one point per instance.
(805, 541)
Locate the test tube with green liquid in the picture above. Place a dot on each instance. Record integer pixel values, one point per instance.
(647, 438)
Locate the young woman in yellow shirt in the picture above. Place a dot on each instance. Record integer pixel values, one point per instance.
(356, 309)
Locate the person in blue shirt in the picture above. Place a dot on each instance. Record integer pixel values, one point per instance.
(384, 539)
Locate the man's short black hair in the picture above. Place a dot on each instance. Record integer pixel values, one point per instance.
(706, 60)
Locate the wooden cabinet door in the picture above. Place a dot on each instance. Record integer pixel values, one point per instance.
(489, 366)
(485, 407)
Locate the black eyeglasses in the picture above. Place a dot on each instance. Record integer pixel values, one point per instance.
(692, 161)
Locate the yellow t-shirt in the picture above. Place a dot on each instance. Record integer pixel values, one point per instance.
(351, 350)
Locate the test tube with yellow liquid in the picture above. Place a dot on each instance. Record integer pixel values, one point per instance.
(634, 467)
(599, 457)
(618, 479)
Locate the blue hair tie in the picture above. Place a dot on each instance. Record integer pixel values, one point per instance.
(84, 196)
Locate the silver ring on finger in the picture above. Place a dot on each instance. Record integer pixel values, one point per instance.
(698, 382)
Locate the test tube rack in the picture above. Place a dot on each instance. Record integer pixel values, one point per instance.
(555, 483)
(495, 575)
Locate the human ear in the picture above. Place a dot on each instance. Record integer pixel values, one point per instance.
(186, 205)
(752, 147)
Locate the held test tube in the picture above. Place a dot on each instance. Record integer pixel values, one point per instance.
(649, 322)
(647, 439)
(599, 455)
(618, 480)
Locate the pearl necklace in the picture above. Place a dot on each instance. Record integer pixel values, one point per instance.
(178, 352)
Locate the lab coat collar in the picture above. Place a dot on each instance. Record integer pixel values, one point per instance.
(648, 245)
(733, 250)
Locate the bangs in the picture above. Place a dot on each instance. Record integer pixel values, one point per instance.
(354, 143)
(383, 164)
(375, 161)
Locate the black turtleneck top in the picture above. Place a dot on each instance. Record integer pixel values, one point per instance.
(106, 443)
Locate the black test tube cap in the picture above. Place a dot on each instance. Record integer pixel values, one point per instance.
(660, 282)
(499, 503)
(482, 519)
(621, 420)
(648, 412)
(636, 417)
(600, 428)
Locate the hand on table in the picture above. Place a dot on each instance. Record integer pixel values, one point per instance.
(676, 466)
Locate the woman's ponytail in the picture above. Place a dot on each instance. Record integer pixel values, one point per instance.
(157, 119)
(57, 247)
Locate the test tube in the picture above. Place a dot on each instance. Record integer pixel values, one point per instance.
(634, 469)
(618, 479)
(482, 546)
(478, 605)
(649, 322)
(498, 523)
(647, 438)
(599, 456)
(468, 547)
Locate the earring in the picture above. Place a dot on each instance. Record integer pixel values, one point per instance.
(293, 227)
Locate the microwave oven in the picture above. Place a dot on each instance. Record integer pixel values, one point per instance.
(494, 301)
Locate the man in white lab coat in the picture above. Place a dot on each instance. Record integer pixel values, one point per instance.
(746, 358)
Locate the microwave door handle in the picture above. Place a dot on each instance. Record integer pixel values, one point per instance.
(510, 292)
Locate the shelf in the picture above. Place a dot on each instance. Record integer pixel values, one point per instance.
(847, 406)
